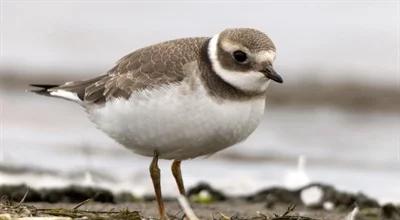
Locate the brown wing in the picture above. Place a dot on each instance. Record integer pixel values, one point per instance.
(145, 68)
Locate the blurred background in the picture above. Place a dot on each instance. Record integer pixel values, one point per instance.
(337, 114)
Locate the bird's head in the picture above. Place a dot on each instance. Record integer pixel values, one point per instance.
(243, 58)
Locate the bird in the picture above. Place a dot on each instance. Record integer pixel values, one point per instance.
(179, 99)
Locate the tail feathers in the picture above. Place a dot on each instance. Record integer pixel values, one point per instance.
(55, 91)
(73, 91)
(43, 89)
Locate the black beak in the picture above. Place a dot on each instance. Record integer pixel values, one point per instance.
(270, 73)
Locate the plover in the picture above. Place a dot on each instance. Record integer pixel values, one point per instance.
(180, 99)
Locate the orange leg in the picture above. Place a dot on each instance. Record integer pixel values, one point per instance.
(176, 171)
(155, 177)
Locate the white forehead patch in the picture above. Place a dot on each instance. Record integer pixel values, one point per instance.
(260, 57)
(251, 81)
(265, 56)
(229, 46)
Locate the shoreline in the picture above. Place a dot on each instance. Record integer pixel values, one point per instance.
(78, 201)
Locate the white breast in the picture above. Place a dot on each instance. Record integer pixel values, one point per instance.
(178, 122)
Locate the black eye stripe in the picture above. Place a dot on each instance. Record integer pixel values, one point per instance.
(240, 56)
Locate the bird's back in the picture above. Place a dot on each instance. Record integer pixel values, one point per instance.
(145, 68)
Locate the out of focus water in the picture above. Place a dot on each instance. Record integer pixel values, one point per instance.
(327, 40)
(330, 42)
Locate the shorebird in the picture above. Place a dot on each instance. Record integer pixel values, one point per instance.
(180, 99)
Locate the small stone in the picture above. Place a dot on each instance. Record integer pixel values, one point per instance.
(125, 197)
(328, 205)
(389, 211)
(5, 216)
(312, 196)
(215, 194)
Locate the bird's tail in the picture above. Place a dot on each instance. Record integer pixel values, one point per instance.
(43, 89)
(72, 91)
(63, 91)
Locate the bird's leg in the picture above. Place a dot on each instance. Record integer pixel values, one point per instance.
(155, 177)
(183, 201)
(176, 171)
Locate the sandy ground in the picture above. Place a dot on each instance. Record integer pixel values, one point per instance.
(77, 202)
(217, 210)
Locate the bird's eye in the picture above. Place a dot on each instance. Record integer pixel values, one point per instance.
(240, 56)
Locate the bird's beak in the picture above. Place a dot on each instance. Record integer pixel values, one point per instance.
(270, 73)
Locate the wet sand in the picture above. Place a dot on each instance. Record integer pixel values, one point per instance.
(272, 203)
(232, 209)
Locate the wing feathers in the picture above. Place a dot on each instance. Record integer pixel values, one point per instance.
(145, 68)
